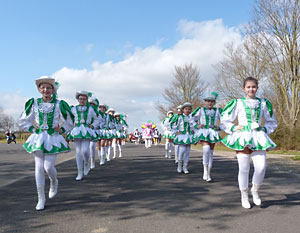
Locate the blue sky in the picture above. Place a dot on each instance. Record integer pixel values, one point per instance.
(41, 37)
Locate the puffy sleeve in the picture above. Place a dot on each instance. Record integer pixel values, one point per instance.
(166, 123)
(270, 123)
(228, 116)
(27, 118)
(66, 116)
(196, 114)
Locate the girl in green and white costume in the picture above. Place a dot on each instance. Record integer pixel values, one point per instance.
(168, 134)
(249, 138)
(111, 131)
(94, 103)
(208, 132)
(121, 128)
(83, 132)
(184, 131)
(47, 118)
(102, 132)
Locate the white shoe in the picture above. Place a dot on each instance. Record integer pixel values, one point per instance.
(79, 176)
(185, 170)
(41, 198)
(86, 168)
(53, 188)
(179, 167)
(255, 195)
(114, 156)
(92, 163)
(244, 199)
(120, 155)
(209, 179)
(205, 171)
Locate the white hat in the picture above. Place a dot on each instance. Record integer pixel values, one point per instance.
(94, 101)
(211, 96)
(179, 106)
(78, 93)
(102, 105)
(169, 112)
(117, 114)
(110, 110)
(186, 104)
(45, 79)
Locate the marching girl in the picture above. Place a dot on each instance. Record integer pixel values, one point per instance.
(148, 134)
(46, 118)
(155, 136)
(136, 135)
(174, 123)
(111, 131)
(102, 132)
(168, 135)
(121, 127)
(184, 131)
(208, 134)
(83, 132)
(249, 138)
(94, 103)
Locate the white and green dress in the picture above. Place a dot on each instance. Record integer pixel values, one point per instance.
(83, 116)
(46, 116)
(250, 113)
(167, 129)
(121, 128)
(209, 118)
(186, 125)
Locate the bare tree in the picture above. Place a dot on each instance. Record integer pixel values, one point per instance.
(186, 87)
(270, 52)
(6, 121)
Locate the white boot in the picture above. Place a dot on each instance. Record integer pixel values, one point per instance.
(53, 188)
(208, 174)
(80, 174)
(86, 168)
(205, 171)
(244, 199)
(176, 159)
(185, 170)
(169, 154)
(255, 195)
(41, 197)
(92, 163)
(166, 154)
(179, 167)
(120, 154)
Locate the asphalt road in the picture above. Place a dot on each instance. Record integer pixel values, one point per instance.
(143, 193)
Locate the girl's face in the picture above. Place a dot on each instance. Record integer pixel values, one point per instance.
(111, 113)
(187, 110)
(250, 89)
(118, 117)
(170, 114)
(46, 90)
(179, 112)
(210, 103)
(102, 109)
(82, 99)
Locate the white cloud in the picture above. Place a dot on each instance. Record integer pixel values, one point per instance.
(133, 85)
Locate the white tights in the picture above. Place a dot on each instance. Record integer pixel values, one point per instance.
(207, 155)
(44, 163)
(184, 153)
(92, 149)
(259, 163)
(82, 148)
